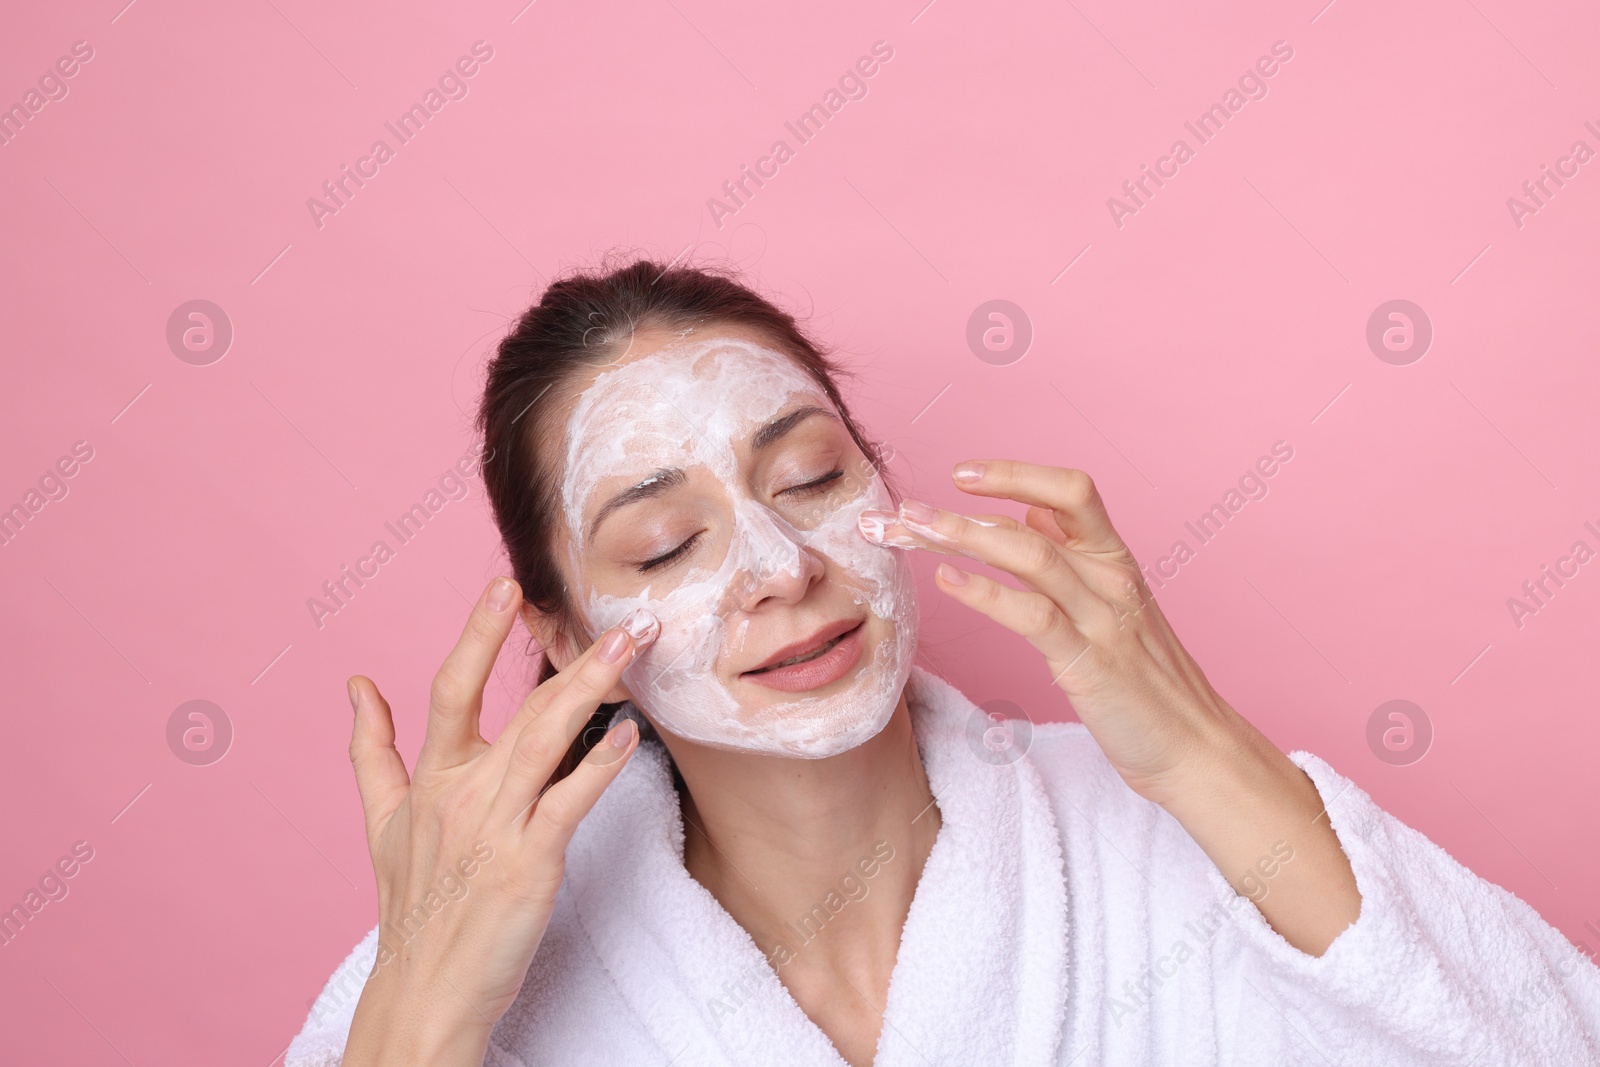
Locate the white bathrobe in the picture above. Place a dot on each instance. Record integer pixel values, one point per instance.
(1061, 919)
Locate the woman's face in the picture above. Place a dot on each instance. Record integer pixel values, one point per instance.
(710, 480)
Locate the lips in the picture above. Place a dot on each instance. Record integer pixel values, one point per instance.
(812, 644)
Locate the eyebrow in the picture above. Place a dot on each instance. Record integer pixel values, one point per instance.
(663, 479)
(784, 423)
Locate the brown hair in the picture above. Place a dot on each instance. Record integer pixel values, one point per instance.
(584, 319)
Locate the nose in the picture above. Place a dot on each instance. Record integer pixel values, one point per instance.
(772, 561)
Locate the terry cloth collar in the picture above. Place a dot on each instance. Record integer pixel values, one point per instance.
(981, 973)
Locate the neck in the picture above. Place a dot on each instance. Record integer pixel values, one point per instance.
(817, 859)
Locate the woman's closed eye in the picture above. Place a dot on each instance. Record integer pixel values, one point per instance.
(660, 561)
(809, 489)
(814, 487)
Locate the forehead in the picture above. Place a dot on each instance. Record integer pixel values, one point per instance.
(674, 402)
(689, 397)
(673, 348)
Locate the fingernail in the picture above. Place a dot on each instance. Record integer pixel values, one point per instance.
(917, 511)
(611, 648)
(873, 523)
(952, 575)
(642, 625)
(499, 594)
(622, 736)
(968, 472)
(609, 748)
(355, 695)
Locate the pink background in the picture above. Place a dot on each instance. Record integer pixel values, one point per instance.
(1228, 313)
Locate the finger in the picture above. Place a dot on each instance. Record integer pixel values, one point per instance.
(643, 628)
(536, 747)
(456, 696)
(889, 529)
(1067, 492)
(560, 808)
(381, 777)
(1000, 542)
(1043, 520)
(1033, 615)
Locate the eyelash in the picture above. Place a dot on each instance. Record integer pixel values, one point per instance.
(806, 490)
(812, 488)
(661, 561)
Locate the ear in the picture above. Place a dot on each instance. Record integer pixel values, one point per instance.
(561, 648)
(557, 644)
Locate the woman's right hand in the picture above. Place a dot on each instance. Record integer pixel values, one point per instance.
(467, 851)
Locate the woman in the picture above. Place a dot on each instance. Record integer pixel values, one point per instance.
(793, 846)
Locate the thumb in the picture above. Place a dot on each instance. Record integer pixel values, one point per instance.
(381, 777)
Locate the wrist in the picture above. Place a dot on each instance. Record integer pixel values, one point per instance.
(1218, 757)
(404, 1026)
(1260, 819)
(1240, 793)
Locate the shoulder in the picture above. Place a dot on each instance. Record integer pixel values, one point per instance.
(1064, 757)
(552, 1019)
(570, 1009)
(1101, 820)
(1074, 769)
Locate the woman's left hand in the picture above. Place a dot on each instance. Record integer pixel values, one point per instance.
(1143, 698)
(1089, 611)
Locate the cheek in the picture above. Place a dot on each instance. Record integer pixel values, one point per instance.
(699, 597)
(692, 624)
(694, 611)
(879, 577)
(734, 641)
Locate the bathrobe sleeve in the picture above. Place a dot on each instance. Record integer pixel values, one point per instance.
(322, 1039)
(1440, 963)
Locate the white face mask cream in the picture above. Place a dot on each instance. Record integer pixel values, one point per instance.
(688, 407)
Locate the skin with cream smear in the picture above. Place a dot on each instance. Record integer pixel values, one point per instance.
(701, 526)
